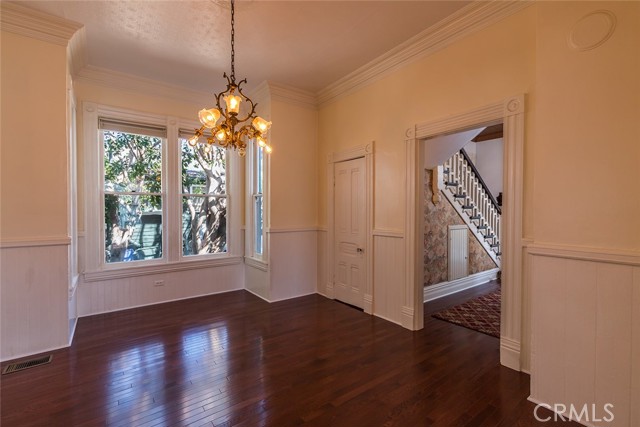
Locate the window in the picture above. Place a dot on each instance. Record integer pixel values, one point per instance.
(204, 198)
(132, 191)
(258, 204)
(256, 212)
(152, 203)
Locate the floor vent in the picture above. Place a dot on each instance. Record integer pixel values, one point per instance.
(14, 367)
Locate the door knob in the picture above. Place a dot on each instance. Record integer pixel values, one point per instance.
(360, 250)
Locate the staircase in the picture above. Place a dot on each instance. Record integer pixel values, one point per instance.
(469, 195)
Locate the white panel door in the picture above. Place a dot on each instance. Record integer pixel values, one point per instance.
(349, 212)
(458, 252)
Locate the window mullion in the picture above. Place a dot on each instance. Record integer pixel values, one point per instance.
(172, 189)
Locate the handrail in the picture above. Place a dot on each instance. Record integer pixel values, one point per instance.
(484, 186)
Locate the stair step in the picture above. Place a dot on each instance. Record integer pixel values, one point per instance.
(460, 196)
(498, 253)
(451, 183)
(467, 206)
(488, 236)
(494, 245)
(482, 227)
(475, 217)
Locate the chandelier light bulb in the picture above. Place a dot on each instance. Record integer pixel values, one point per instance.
(233, 103)
(268, 149)
(261, 141)
(261, 124)
(193, 140)
(221, 135)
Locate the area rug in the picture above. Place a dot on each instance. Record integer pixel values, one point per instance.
(481, 314)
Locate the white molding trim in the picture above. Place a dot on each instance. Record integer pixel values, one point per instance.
(510, 112)
(96, 276)
(583, 253)
(291, 229)
(443, 289)
(510, 353)
(366, 151)
(28, 22)
(469, 19)
(31, 242)
(279, 299)
(139, 85)
(43, 351)
(77, 57)
(256, 263)
(383, 232)
(268, 91)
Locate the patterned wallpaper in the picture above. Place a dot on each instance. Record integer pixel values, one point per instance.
(437, 219)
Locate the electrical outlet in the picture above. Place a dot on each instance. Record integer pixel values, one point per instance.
(158, 283)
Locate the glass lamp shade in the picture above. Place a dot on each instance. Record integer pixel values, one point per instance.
(233, 103)
(193, 140)
(261, 124)
(209, 117)
(221, 135)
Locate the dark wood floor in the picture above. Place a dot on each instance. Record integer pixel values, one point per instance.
(235, 360)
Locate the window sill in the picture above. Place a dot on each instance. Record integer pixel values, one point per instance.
(256, 263)
(124, 272)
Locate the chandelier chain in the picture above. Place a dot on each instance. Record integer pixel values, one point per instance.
(233, 50)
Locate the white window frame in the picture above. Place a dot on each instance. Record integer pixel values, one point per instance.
(172, 259)
(229, 159)
(251, 257)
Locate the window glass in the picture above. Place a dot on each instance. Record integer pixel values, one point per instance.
(132, 196)
(204, 199)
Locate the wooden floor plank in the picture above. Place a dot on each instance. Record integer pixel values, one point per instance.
(234, 360)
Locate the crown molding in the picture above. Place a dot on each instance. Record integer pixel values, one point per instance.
(77, 52)
(270, 91)
(291, 95)
(476, 16)
(139, 85)
(32, 23)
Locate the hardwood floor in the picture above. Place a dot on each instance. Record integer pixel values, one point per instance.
(235, 360)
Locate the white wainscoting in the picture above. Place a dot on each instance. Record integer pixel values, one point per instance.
(322, 263)
(388, 275)
(293, 262)
(585, 317)
(128, 292)
(35, 296)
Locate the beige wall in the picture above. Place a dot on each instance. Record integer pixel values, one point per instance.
(587, 164)
(479, 70)
(34, 165)
(293, 180)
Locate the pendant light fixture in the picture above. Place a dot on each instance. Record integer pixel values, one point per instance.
(227, 128)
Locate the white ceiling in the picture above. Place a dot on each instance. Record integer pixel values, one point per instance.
(305, 44)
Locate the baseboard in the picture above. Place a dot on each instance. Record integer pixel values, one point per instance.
(25, 355)
(282, 299)
(510, 353)
(447, 288)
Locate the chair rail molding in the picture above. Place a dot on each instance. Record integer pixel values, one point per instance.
(510, 112)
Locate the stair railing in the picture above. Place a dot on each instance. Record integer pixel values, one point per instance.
(469, 189)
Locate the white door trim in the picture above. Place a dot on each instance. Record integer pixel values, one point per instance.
(511, 112)
(365, 151)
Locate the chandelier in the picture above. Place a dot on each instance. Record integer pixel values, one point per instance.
(223, 123)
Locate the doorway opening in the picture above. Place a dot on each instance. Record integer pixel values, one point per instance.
(463, 183)
(511, 113)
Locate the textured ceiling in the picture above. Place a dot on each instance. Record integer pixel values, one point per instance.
(305, 44)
